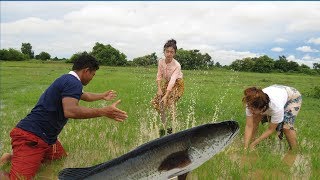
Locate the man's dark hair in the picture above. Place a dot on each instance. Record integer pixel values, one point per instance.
(85, 60)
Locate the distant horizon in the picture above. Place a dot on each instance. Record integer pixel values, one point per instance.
(225, 30)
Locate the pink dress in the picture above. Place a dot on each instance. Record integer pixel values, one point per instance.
(170, 72)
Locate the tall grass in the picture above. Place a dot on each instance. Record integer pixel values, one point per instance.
(210, 96)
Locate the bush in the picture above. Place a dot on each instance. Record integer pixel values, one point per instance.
(12, 55)
(43, 56)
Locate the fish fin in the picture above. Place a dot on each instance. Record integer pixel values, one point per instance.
(183, 176)
(178, 159)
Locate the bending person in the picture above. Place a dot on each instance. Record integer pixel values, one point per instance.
(280, 103)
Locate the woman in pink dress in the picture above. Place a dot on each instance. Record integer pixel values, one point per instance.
(170, 83)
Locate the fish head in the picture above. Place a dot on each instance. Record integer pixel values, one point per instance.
(209, 139)
(201, 143)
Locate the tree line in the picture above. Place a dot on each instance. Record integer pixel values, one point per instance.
(26, 53)
(265, 64)
(189, 59)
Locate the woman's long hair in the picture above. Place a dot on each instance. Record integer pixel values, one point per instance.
(256, 98)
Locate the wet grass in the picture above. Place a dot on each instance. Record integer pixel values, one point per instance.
(209, 96)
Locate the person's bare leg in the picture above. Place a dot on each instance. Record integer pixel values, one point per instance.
(163, 114)
(289, 158)
(174, 122)
(5, 158)
(174, 111)
(291, 137)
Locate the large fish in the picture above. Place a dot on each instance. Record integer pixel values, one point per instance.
(163, 158)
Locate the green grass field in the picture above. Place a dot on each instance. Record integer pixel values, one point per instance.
(210, 96)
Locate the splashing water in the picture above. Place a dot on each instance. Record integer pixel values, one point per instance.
(233, 78)
(150, 121)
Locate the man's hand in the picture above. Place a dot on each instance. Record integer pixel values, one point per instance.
(109, 95)
(114, 113)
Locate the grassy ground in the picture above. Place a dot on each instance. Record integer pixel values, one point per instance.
(210, 96)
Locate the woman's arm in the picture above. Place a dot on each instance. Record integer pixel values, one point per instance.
(248, 131)
(159, 78)
(267, 133)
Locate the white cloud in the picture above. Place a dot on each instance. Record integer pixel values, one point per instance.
(307, 60)
(307, 57)
(281, 40)
(306, 49)
(228, 29)
(291, 58)
(314, 40)
(226, 57)
(277, 49)
(32, 26)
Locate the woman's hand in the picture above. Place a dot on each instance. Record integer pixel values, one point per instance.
(252, 147)
(159, 92)
(164, 100)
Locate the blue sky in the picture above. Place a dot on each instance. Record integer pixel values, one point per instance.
(225, 30)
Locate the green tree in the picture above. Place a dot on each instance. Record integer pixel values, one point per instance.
(316, 66)
(237, 65)
(263, 64)
(293, 66)
(305, 69)
(218, 65)
(282, 64)
(74, 56)
(146, 60)
(26, 49)
(56, 59)
(247, 64)
(43, 56)
(260, 64)
(193, 59)
(12, 55)
(107, 55)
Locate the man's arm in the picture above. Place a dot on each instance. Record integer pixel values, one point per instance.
(89, 97)
(72, 109)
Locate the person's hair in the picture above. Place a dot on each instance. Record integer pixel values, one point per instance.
(170, 43)
(85, 60)
(256, 98)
